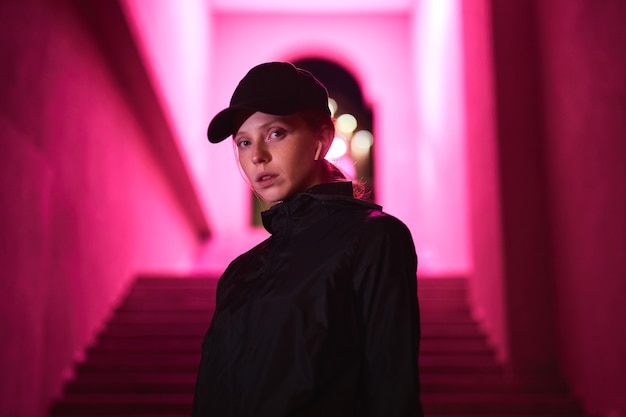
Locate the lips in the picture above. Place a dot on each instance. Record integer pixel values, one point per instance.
(265, 179)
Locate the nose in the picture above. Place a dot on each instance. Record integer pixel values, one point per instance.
(260, 154)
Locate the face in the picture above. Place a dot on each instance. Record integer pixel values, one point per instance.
(279, 155)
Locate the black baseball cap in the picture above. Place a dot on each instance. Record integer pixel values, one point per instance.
(278, 88)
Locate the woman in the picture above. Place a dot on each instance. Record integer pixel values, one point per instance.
(321, 319)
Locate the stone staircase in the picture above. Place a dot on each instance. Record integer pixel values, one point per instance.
(144, 361)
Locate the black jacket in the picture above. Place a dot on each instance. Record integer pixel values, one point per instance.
(321, 319)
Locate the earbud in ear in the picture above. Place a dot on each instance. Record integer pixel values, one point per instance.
(318, 150)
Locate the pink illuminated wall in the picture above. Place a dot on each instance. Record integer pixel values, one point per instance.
(559, 86)
(585, 63)
(174, 40)
(85, 203)
(440, 171)
(487, 289)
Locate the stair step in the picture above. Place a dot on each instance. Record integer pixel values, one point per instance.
(123, 404)
(185, 414)
(193, 329)
(163, 317)
(166, 305)
(148, 344)
(132, 343)
(162, 309)
(452, 328)
(199, 297)
(431, 383)
(442, 317)
(494, 379)
(456, 345)
(156, 296)
(177, 282)
(458, 360)
(447, 282)
(486, 383)
(187, 386)
(124, 369)
(145, 387)
(159, 330)
(143, 359)
(161, 403)
(153, 377)
(127, 316)
(191, 366)
(490, 403)
(191, 345)
(430, 306)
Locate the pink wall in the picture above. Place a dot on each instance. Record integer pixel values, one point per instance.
(486, 287)
(85, 204)
(585, 67)
(174, 41)
(528, 287)
(440, 215)
(559, 102)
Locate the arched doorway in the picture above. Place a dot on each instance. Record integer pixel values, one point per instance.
(349, 107)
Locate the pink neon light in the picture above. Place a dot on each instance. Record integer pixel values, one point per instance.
(441, 133)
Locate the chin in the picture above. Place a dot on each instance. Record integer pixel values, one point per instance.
(271, 197)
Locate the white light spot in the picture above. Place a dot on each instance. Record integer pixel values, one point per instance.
(337, 149)
(346, 123)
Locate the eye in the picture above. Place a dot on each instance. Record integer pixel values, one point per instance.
(276, 133)
(242, 143)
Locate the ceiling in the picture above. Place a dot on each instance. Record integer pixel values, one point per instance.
(308, 6)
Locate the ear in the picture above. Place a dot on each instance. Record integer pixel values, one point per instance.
(323, 143)
(319, 148)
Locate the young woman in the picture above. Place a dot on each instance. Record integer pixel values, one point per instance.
(321, 319)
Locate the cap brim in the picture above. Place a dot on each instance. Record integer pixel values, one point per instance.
(223, 124)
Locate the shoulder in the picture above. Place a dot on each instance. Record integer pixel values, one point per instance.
(243, 265)
(381, 234)
(368, 222)
(380, 223)
(369, 216)
(384, 254)
(249, 259)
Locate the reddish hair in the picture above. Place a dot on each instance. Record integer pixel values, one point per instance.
(319, 122)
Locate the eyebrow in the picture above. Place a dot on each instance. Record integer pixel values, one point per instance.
(277, 118)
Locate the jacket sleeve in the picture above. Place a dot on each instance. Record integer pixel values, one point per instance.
(386, 286)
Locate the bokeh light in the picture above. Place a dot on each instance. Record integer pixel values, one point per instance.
(346, 123)
(361, 142)
(338, 148)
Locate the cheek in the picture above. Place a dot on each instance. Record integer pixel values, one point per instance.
(303, 154)
(302, 165)
(245, 166)
(291, 159)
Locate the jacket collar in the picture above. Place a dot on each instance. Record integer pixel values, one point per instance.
(305, 208)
